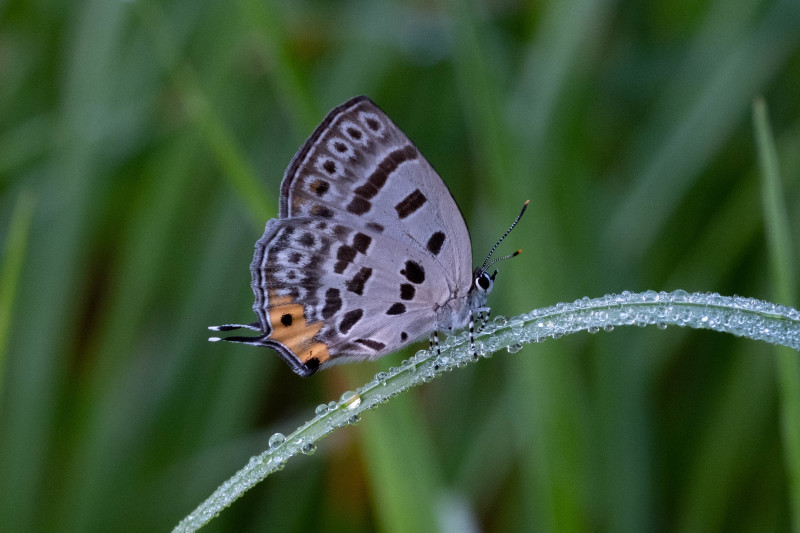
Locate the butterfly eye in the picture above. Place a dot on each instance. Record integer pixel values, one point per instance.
(483, 282)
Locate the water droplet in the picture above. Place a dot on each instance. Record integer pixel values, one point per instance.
(514, 348)
(593, 329)
(353, 420)
(276, 440)
(350, 399)
(500, 321)
(321, 409)
(661, 325)
(309, 448)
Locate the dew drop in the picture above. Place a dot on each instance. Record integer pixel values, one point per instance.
(500, 321)
(350, 399)
(321, 409)
(593, 329)
(514, 348)
(309, 448)
(276, 440)
(661, 325)
(353, 420)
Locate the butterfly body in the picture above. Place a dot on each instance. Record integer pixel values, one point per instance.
(370, 251)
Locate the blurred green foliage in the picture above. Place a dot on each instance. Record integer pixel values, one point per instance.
(150, 138)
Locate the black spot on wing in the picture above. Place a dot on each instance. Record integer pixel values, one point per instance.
(329, 166)
(410, 204)
(320, 187)
(286, 320)
(356, 284)
(359, 206)
(435, 243)
(361, 242)
(355, 133)
(341, 231)
(307, 240)
(375, 345)
(333, 302)
(403, 336)
(378, 178)
(396, 309)
(413, 272)
(350, 319)
(407, 291)
(344, 256)
(312, 364)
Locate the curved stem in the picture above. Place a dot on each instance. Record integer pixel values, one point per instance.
(744, 317)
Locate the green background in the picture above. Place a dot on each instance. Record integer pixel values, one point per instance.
(141, 149)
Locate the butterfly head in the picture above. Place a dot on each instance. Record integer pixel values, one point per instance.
(482, 281)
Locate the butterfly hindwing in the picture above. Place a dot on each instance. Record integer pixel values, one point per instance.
(328, 281)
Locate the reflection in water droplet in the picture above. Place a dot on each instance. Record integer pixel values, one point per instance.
(276, 440)
(309, 448)
(350, 399)
(514, 348)
(321, 409)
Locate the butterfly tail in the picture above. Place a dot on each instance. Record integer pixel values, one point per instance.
(255, 326)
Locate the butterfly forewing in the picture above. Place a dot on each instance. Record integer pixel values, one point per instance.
(360, 163)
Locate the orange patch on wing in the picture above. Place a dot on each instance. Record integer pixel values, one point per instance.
(289, 327)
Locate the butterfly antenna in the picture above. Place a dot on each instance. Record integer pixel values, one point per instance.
(498, 259)
(485, 265)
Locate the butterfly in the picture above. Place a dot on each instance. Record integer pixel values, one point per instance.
(370, 251)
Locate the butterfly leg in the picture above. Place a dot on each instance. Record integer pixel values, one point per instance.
(472, 333)
(483, 316)
(434, 341)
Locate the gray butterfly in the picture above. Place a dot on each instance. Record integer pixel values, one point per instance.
(370, 251)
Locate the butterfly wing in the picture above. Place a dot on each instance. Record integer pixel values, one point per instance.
(327, 293)
(359, 165)
(369, 245)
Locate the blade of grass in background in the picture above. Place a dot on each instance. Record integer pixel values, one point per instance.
(783, 268)
(233, 163)
(10, 267)
(708, 115)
